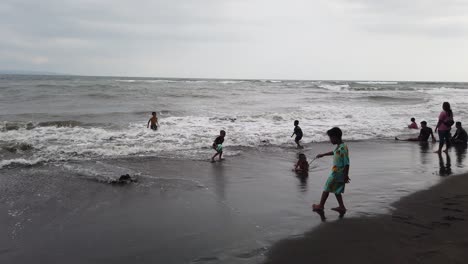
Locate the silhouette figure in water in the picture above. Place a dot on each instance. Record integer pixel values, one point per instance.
(460, 151)
(124, 179)
(445, 169)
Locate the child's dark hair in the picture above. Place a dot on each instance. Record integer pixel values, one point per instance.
(335, 132)
(153, 113)
(222, 132)
(302, 156)
(413, 119)
(458, 123)
(296, 122)
(423, 123)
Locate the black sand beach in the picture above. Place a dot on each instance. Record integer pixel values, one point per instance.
(183, 211)
(430, 226)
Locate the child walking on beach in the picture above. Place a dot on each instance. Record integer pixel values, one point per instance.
(302, 166)
(218, 145)
(298, 133)
(154, 122)
(339, 174)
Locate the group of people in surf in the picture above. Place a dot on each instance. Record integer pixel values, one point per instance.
(339, 173)
(337, 178)
(443, 128)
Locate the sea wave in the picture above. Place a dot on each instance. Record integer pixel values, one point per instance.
(376, 82)
(192, 136)
(20, 162)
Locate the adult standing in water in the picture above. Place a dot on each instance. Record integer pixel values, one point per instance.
(444, 125)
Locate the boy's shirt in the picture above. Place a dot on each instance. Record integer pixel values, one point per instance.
(425, 133)
(298, 131)
(219, 140)
(340, 161)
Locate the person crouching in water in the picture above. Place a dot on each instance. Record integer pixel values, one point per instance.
(218, 145)
(339, 174)
(302, 166)
(413, 124)
(460, 137)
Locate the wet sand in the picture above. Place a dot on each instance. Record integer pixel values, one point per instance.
(185, 211)
(430, 226)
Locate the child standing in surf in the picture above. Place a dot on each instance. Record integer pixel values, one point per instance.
(218, 145)
(339, 174)
(298, 133)
(154, 122)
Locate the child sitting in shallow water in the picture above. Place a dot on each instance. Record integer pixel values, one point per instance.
(339, 174)
(302, 166)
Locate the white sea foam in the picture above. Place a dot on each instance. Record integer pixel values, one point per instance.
(231, 82)
(377, 82)
(20, 162)
(192, 136)
(336, 88)
(148, 81)
(254, 115)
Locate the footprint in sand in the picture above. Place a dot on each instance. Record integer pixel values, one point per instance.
(452, 210)
(441, 224)
(453, 218)
(452, 203)
(421, 235)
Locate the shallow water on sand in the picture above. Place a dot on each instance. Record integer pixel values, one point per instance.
(183, 211)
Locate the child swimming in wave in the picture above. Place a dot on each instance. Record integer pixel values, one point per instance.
(302, 166)
(218, 145)
(413, 124)
(339, 174)
(298, 133)
(154, 122)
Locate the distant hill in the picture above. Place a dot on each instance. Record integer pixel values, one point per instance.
(21, 72)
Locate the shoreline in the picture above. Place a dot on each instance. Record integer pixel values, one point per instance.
(238, 208)
(428, 226)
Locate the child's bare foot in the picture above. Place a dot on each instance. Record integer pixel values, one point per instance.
(340, 210)
(213, 161)
(317, 207)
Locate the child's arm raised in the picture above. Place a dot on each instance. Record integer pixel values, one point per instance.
(325, 154)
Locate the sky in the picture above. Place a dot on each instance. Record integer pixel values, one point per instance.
(417, 40)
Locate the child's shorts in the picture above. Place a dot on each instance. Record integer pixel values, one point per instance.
(219, 148)
(334, 186)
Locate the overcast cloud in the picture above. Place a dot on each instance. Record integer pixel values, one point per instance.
(295, 39)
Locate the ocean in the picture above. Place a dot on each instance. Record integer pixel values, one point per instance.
(67, 118)
(64, 140)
